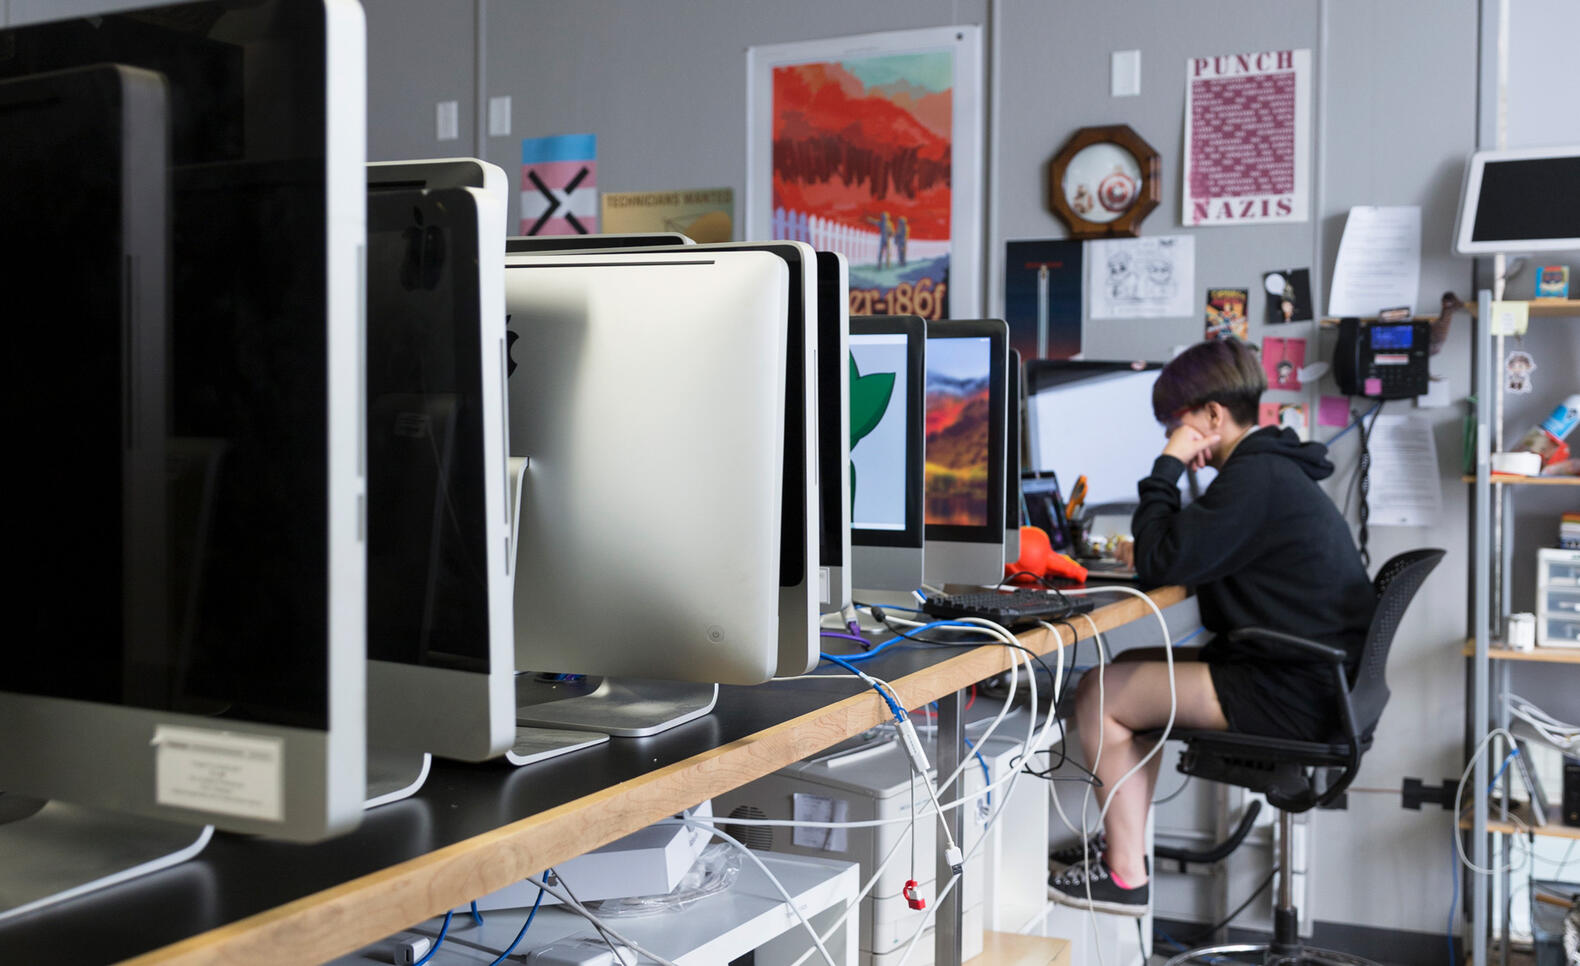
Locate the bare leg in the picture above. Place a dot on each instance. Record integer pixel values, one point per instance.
(1136, 698)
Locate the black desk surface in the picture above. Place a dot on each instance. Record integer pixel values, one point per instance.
(238, 876)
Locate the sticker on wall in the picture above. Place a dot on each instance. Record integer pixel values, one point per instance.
(559, 185)
(1294, 416)
(1288, 295)
(1517, 369)
(1283, 360)
(1042, 298)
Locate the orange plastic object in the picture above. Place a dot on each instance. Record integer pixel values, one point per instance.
(1037, 556)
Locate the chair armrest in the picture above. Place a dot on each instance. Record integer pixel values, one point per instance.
(1311, 648)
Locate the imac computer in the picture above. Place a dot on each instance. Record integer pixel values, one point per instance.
(236, 197)
(648, 400)
(888, 442)
(833, 431)
(441, 653)
(967, 382)
(1012, 458)
(528, 244)
(799, 627)
(1520, 200)
(1094, 419)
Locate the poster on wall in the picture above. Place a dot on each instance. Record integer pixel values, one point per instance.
(1042, 298)
(701, 214)
(1247, 138)
(1141, 278)
(871, 146)
(559, 185)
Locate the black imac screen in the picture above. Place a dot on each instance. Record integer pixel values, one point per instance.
(829, 298)
(247, 365)
(427, 527)
(1528, 200)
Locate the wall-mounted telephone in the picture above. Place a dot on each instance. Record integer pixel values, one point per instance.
(1382, 360)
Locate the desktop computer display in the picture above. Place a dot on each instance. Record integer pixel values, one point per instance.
(249, 638)
(799, 640)
(440, 640)
(1094, 419)
(527, 244)
(1012, 459)
(967, 385)
(888, 439)
(648, 399)
(833, 429)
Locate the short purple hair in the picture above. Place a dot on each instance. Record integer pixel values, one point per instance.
(1224, 371)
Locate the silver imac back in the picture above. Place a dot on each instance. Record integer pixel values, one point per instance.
(888, 440)
(1012, 459)
(264, 655)
(967, 381)
(441, 652)
(648, 398)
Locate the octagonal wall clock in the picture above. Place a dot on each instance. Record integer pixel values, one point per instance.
(1104, 182)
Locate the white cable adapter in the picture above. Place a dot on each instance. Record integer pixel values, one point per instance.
(581, 952)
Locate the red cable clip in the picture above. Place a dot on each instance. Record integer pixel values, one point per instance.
(913, 896)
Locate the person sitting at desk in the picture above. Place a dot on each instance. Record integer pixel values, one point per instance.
(1263, 547)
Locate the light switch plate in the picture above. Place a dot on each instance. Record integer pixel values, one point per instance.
(1124, 73)
(499, 116)
(448, 121)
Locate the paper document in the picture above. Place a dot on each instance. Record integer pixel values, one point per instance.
(1406, 488)
(1379, 263)
(1141, 278)
(816, 808)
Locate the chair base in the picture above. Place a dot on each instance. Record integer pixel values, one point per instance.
(1263, 954)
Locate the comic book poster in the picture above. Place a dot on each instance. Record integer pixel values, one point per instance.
(864, 156)
(1226, 314)
(1042, 298)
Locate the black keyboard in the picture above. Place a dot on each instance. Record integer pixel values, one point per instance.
(1020, 607)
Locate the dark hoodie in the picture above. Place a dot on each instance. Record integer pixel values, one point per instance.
(1263, 547)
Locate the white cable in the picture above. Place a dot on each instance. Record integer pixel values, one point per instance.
(1464, 778)
(1555, 732)
(789, 899)
(599, 924)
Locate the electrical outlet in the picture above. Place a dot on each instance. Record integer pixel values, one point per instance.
(448, 121)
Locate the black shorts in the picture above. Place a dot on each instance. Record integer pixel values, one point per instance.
(1280, 701)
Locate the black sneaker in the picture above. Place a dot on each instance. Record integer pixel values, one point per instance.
(1072, 886)
(1074, 854)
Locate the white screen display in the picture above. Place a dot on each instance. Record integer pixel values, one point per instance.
(878, 458)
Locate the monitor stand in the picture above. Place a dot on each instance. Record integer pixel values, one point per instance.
(394, 775)
(626, 708)
(60, 851)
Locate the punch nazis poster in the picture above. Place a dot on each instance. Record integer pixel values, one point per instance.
(1247, 138)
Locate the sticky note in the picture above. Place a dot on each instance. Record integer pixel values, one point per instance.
(1333, 411)
(1373, 387)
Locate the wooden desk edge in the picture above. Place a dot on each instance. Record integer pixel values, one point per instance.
(344, 918)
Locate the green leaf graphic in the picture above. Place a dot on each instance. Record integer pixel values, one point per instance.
(869, 400)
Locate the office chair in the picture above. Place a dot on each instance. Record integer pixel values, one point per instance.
(1296, 776)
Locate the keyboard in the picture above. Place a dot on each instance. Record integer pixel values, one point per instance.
(1020, 607)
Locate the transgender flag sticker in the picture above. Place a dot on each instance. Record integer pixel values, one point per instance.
(559, 185)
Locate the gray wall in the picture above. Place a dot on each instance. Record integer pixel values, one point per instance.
(663, 86)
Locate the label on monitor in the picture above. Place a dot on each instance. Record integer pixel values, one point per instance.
(219, 771)
(825, 586)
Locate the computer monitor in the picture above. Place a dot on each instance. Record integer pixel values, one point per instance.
(889, 439)
(967, 383)
(527, 244)
(833, 430)
(264, 110)
(441, 651)
(1094, 419)
(1520, 200)
(648, 398)
(799, 615)
(1012, 460)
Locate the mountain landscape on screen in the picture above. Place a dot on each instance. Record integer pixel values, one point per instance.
(957, 450)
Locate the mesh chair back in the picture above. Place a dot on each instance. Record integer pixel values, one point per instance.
(1396, 583)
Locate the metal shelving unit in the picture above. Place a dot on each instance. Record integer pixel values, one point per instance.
(1491, 665)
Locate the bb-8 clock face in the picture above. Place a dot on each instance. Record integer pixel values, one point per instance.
(1101, 182)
